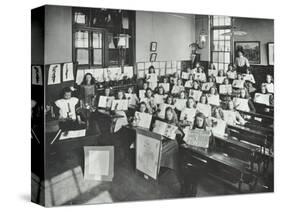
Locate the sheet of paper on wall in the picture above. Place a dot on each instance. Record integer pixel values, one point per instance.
(148, 153)
(151, 78)
(156, 64)
(262, 98)
(213, 72)
(79, 76)
(129, 71)
(99, 163)
(188, 84)
(174, 64)
(98, 74)
(162, 71)
(54, 74)
(188, 114)
(141, 74)
(197, 137)
(163, 108)
(72, 134)
(196, 94)
(214, 100)
(90, 71)
(114, 73)
(143, 119)
(204, 108)
(225, 89)
(166, 86)
(184, 75)
(119, 104)
(219, 80)
(164, 129)
(180, 104)
(163, 64)
(206, 86)
(37, 78)
(157, 71)
(67, 72)
(218, 126)
(241, 104)
(140, 66)
(147, 65)
(238, 83)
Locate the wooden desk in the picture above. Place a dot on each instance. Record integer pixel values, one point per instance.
(227, 169)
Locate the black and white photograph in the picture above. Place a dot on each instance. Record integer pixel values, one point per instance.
(142, 105)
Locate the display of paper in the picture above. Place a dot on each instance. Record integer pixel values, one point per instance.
(200, 77)
(162, 109)
(238, 83)
(196, 94)
(180, 104)
(185, 75)
(67, 72)
(206, 86)
(148, 153)
(197, 137)
(159, 99)
(204, 108)
(188, 84)
(214, 100)
(231, 75)
(218, 126)
(219, 80)
(262, 98)
(119, 104)
(166, 86)
(142, 94)
(188, 114)
(241, 104)
(143, 119)
(225, 89)
(249, 77)
(140, 66)
(54, 74)
(129, 71)
(213, 72)
(79, 76)
(164, 129)
(229, 117)
(36, 74)
(72, 134)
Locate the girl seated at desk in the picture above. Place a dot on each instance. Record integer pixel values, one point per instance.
(189, 82)
(149, 100)
(269, 84)
(171, 118)
(132, 98)
(245, 95)
(231, 72)
(68, 119)
(196, 85)
(117, 123)
(178, 87)
(187, 114)
(232, 116)
(249, 82)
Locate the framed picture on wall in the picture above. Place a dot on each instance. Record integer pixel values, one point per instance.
(153, 46)
(251, 50)
(153, 57)
(270, 53)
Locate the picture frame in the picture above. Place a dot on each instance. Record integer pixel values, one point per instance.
(153, 57)
(251, 50)
(270, 53)
(153, 46)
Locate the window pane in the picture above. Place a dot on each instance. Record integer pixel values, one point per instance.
(81, 39)
(221, 20)
(215, 46)
(215, 57)
(97, 40)
(97, 55)
(227, 21)
(225, 66)
(113, 56)
(82, 56)
(227, 46)
(80, 18)
(216, 34)
(221, 32)
(221, 46)
(221, 66)
(221, 57)
(215, 21)
(227, 37)
(227, 57)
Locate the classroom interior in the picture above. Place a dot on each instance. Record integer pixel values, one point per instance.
(149, 63)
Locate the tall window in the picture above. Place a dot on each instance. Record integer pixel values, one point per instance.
(95, 37)
(221, 41)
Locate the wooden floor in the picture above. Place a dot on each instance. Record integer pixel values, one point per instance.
(64, 183)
